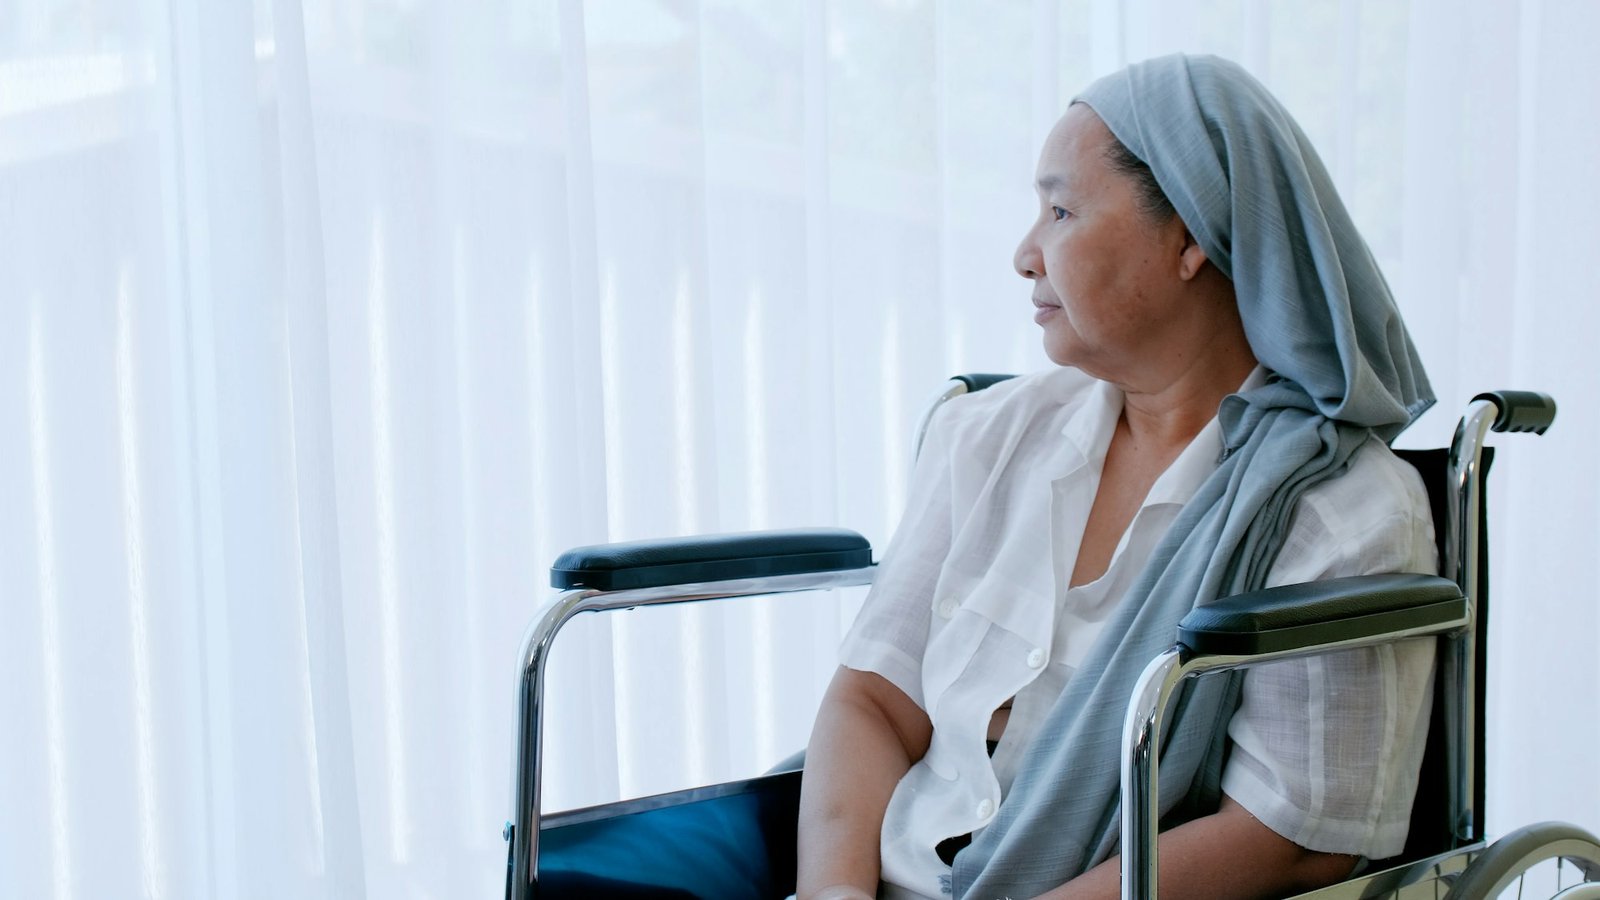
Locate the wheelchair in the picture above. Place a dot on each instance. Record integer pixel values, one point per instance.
(738, 839)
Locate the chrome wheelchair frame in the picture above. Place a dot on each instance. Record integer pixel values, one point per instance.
(1233, 633)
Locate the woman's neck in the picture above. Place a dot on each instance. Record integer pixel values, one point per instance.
(1173, 413)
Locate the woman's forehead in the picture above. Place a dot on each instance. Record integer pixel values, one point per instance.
(1075, 149)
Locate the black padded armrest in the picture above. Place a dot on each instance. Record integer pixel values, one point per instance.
(711, 557)
(1297, 616)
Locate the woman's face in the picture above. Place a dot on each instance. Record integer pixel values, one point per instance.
(1106, 275)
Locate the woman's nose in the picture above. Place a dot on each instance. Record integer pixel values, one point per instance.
(1027, 260)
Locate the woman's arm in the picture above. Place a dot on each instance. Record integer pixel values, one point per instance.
(867, 736)
(1228, 855)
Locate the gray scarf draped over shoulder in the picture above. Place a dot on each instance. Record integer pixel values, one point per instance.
(1320, 317)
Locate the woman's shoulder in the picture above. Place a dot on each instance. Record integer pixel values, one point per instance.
(1373, 517)
(1375, 468)
(1378, 494)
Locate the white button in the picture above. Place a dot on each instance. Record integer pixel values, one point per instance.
(947, 608)
(1035, 658)
(986, 809)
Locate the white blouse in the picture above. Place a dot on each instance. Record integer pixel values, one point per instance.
(970, 608)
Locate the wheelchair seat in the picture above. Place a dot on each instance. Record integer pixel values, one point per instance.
(727, 840)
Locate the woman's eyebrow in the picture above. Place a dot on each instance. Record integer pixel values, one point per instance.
(1049, 183)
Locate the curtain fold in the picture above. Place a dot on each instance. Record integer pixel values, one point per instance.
(325, 326)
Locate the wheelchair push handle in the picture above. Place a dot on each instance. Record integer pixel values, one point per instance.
(977, 381)
(1521, 411)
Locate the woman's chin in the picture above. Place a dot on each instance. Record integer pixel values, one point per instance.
(1060, 355)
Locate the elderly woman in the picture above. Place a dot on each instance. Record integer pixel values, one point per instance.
(1230, 367)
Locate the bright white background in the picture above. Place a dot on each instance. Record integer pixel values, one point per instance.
(325, 325)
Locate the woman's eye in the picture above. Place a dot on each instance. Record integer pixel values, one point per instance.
(1058, 212)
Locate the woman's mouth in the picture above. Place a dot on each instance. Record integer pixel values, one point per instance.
(1044, 311)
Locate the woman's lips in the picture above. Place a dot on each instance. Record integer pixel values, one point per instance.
(1044, 311)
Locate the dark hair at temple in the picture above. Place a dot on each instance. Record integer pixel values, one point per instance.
(1152, 200)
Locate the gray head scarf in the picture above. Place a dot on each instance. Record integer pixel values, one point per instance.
(1320, 317)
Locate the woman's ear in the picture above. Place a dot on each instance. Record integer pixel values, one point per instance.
(1192, 258)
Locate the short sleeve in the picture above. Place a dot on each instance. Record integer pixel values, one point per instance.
(1326, 749)
(891, 631)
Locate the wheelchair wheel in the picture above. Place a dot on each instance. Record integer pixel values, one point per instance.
(1548, 859)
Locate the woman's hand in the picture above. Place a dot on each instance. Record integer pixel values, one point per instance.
(1228, 855)
(867, 736)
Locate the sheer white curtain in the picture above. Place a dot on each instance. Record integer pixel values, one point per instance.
(324, 326)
